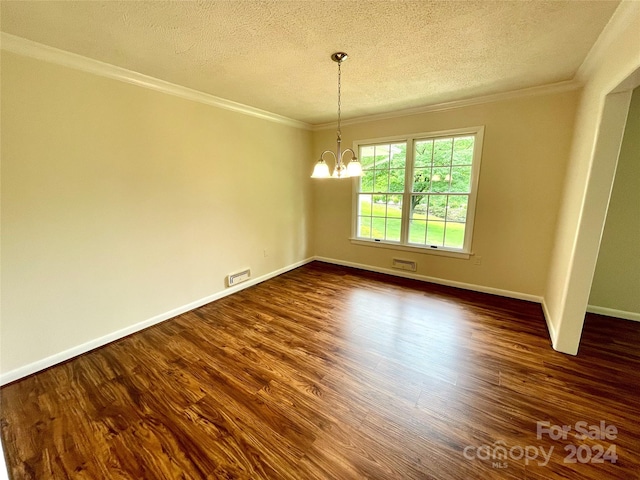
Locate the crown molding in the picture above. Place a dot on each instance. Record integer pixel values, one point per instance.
(622, 17)
(548, 89)
(29, 48)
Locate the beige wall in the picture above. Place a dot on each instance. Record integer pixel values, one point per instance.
(616, 282)
(120, 203)
(613, 59)
(526, 145)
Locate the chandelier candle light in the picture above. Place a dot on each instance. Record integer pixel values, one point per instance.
(342, 170)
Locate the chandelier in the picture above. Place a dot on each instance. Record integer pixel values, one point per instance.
(342, 169)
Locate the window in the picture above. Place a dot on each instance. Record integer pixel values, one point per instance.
(419, 191)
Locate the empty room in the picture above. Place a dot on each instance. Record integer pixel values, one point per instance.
(320, 239)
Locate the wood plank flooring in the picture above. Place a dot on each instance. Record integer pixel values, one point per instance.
(327, 372)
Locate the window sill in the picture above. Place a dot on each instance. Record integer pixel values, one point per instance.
(410, 248)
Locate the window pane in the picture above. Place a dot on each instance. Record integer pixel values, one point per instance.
(393, 229)
(382, 156)
(461, 179)
(463, 150)
(454, 235)
(417, 231)
(437, 207)
(364, 227)
(364, 204)
(379, 206)
(378, 227)
(366, 157)
(397, 199)
(379, 203)
(398, 155)
(381, 181)
(442, 150)
(423, 153)
(440, 179)
(394, 206)
(435, 233)
(419, 205)
(366, 181)
(457, 208)
(396, 180)
(421, 179)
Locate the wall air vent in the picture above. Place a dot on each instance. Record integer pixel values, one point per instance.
(400, 264)
(239, 277)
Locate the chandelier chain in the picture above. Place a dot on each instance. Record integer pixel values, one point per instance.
(339, 100)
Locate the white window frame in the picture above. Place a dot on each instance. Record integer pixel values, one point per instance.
(403, 244)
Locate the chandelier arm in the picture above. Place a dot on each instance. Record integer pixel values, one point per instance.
(335, 159)
(353, 154)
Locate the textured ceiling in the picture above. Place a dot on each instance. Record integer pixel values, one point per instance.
(274, 55)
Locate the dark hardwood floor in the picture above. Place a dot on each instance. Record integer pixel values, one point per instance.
(333, 373)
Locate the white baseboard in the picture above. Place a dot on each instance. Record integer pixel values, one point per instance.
(65, 355)
(439, 281)
(612, 312)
